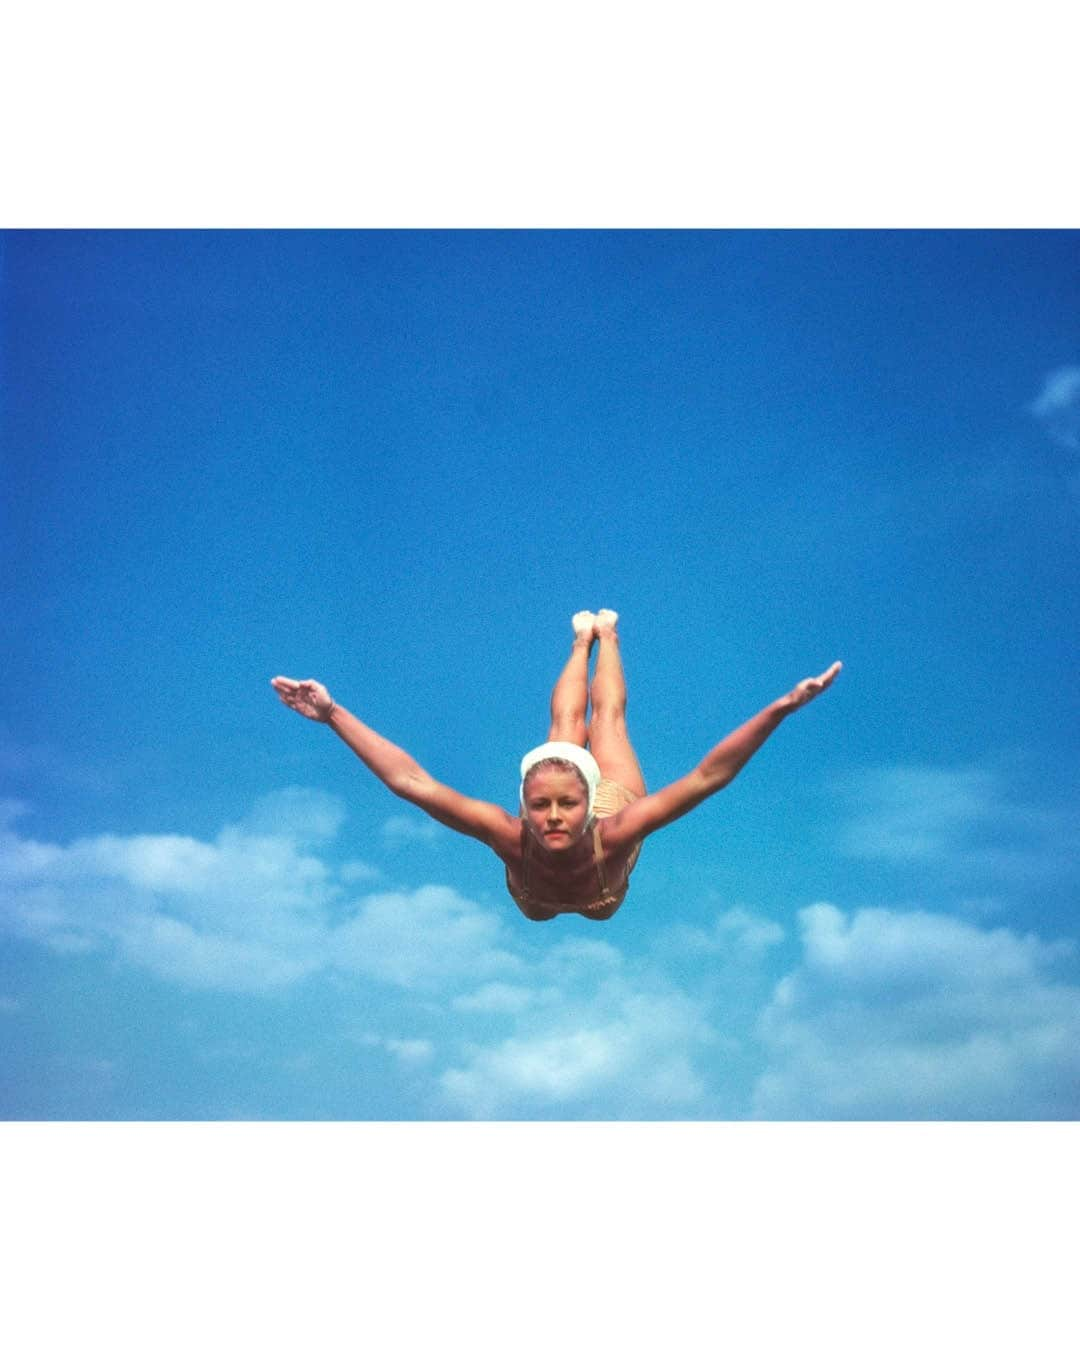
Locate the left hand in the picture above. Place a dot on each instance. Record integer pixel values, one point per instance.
(806, 690)
(307, 697)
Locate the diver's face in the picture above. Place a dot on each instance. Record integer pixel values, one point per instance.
(556, 807)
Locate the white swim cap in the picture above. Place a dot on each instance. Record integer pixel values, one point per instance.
(573, 754)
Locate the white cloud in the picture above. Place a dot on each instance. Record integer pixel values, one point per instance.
(248, 911)
(962, 820)
(619, 1052)
(411, 1052)
(353, 872)
(744, 930)
(885, 1013)
(881, 947)
(920, 1016)
(597, 1034)
(579, 958)
(550, 1069)
(11, 810)
(174, 950)
(497, 997)
(911, 812)
(399, 830)
(254, 911)
(736, 934)
(1058, 406)
(422, 939)
(303, 814)
(50, 764)
(240, 912)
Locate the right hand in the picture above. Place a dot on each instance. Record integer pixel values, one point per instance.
(806, 690)
(307, 697)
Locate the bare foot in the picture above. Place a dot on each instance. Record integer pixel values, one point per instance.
(584, 622)
(606, 618)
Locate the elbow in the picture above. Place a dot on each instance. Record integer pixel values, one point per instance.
(716, 780)
(409, 785)
(716, 776)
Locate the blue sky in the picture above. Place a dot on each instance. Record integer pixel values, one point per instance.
(398, 462)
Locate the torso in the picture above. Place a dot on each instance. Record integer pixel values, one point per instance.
(543, 886)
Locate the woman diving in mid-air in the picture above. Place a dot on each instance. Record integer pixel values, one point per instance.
(584, 812)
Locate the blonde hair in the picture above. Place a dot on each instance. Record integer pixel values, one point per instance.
(555, 763)
(567, 755)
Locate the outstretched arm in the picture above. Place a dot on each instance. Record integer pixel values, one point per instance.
(717, 769)
(397, 769)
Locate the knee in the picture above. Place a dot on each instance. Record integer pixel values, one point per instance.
(608, 711)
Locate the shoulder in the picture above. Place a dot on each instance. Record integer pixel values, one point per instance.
(494, 826)
(623, 828)
(652, 812)
(485, 821)
(505, 836)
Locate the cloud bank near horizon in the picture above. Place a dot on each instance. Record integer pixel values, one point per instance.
(877, 1012)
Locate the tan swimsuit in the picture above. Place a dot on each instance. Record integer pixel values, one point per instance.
(611, 797)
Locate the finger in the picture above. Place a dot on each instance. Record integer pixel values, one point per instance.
(281, 682)
(829, 675)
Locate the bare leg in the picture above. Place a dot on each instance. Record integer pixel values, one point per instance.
(570, 697)
(608, 738)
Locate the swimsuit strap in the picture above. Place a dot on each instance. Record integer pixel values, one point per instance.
(598, 858)
(598, 855)
(524, 862)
